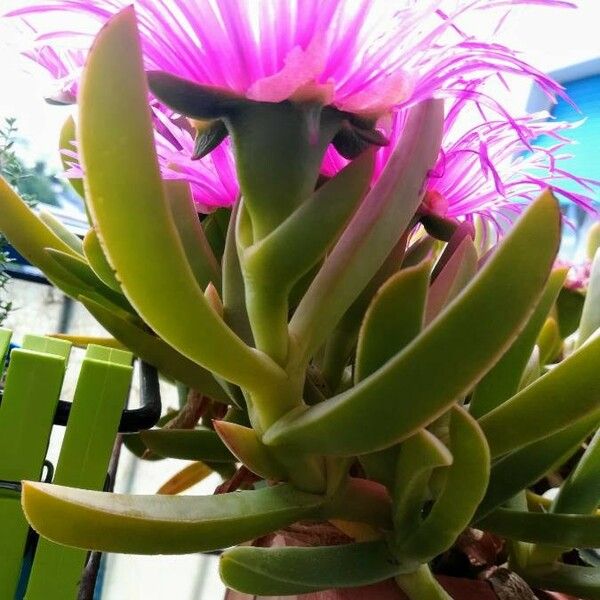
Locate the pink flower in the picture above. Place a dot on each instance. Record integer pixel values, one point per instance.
(491, 169)
(578, 274)
(363, 57)
(212, 179)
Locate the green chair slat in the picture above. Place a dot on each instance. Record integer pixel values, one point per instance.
(31, 391)
(100, 396)
(47, 345)
(111, 355)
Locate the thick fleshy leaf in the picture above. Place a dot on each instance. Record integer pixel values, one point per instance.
(464, 230)
(569, 306)
(155, 351)
(276, 262)
(66, 235)
(215, 228)
(445, 361)
(83, 341)
(285, 571)
(304, 237)
(503, 380)
(580, 493)
(590, 315)
(581, 582)
(247, 447)
(234, 305)
(419, 251)
(593, 240)
(97, 261)
(520, 469)
(549, 342)
(373, 231)
(66, 147)
(188, 444)
(30, 236)
(569, 531)
(186, 478)
(343, 340)
(82, 270)
(161, 524)
(393, 320)
(418, 456)
(452, 278)
(465, 484)
(149, 258)
(199, 254)
(563, 396)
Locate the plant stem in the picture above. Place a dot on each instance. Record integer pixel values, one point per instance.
(421, 585)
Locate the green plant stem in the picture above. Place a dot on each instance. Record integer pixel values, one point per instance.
(421, 585)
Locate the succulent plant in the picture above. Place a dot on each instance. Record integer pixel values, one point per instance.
(402, 387)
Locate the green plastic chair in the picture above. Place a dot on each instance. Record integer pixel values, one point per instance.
(32, 388)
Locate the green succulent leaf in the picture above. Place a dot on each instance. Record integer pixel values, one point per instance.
(215, 228)
(419, 251)
(580, 582)
(569, 531)
(97, 261)
(149, 259)
(523, 467)
(199, 254)
(465, 485)
(373, 231)
(580, 493)
(549, 342)
(134, 443)
(418, 456)
(286, 571)
(234, 305)
(66, 145)
(343, 340)
(393, 320)
(200, 444)
(593, 240)
(155, 351)
(297, 245)
(503, 380)
(446, 360)
(80, 268)
(31, 237)
(66, 235)
(454, 276)
(569, 307)
(161, 524)
(590, 315)
(248, 448)
(563, 396)
(462, 231)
